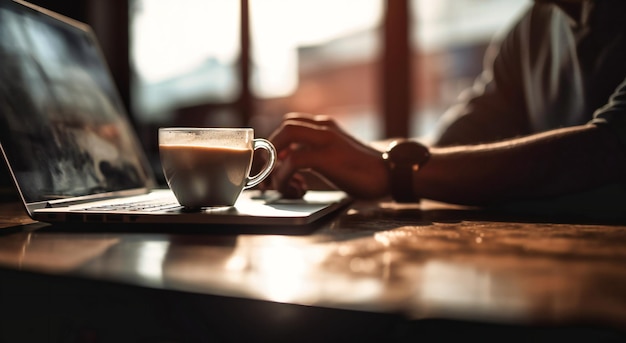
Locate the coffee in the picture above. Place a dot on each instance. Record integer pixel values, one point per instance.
(202, 176)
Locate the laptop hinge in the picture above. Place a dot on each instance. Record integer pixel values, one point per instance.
(57, 203)
(69, 202)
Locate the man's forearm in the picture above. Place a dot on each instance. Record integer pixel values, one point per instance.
(548, 164)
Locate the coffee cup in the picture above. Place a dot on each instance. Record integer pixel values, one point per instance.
(210, 167)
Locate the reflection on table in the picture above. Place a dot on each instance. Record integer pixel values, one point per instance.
(423, 262)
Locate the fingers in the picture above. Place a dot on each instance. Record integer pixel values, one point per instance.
(295, 188)
(295, 134)
(313, 119)
(292, 163)
(313, 142)
(320, 122)
(298, 133)
(303, 129)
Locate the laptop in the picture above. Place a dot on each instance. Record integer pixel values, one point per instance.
(69, 145)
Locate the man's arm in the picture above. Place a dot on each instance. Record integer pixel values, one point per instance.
(554, 163)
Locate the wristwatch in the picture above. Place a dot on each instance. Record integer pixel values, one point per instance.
(404, 158)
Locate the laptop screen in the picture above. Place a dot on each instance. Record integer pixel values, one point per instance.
(62, 126)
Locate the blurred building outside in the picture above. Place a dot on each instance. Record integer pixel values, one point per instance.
(336, 73)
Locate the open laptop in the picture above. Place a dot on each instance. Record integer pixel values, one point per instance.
(69, 145)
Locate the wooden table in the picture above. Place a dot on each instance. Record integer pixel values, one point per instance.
(374, 271)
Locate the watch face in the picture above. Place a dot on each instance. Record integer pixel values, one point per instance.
(408, 152)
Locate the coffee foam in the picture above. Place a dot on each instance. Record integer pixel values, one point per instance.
(217, 138)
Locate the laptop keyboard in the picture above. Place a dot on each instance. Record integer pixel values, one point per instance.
(143, 206)
(161, 204)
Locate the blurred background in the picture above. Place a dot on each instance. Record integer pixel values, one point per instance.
(381, 68)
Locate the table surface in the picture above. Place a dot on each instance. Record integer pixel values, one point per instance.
(428, 261)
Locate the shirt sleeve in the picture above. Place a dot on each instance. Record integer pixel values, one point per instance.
(613, 114)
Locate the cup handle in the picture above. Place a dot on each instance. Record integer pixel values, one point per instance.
(260, 143)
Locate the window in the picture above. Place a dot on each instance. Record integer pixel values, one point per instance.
(316, 56)
(183, 53)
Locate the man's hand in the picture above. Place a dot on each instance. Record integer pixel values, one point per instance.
(316, 143)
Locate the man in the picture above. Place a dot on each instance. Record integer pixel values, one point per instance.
(544, 123)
